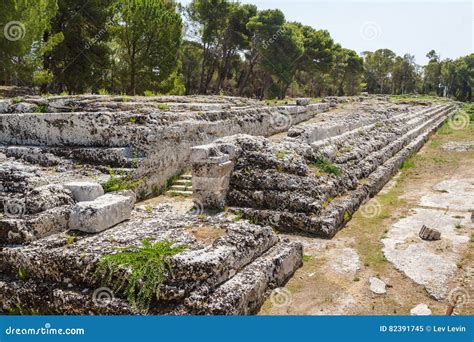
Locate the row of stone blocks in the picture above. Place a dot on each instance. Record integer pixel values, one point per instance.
(283, 192)
(231, 276)
(53, 208)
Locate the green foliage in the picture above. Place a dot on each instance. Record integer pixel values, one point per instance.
(23, 273)
(79, 62)
(346, 217)
(281, 154)
(139, 271)
(22, 25)
(408, 163)
(71, 239)
(149, 39)
(326, 166)
(120, 182)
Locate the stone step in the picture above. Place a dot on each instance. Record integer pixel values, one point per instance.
(378, 166)
(181, 188)
(241, 294)
(187, 176)
(177, 193)
(74, 259)
(183, 182)
(244, 293)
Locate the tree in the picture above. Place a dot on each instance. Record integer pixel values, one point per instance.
(149, 36)
(378, 67)
(404, 75)
(80, 61)
(432, 73)
(23, 24)
(212, 17)
(280, 46)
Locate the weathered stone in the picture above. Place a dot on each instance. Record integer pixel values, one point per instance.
(311, 181)
(377, 286)
(84, 191)
(429, 234)
(302, 102)
(420, 310)
(101, 214)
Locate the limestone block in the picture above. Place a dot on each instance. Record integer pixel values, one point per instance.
(212, 170)
(84, 191)
(302, 102)
(429, 234)
(104, 212)
(420, 310)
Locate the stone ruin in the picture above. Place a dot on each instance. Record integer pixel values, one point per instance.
(302, 168)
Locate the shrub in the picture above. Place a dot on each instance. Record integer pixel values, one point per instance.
(142, 268)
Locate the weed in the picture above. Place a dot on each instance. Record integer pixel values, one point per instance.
(120, 182)
(103, 91)
(281, 154)
(326, 166)
(163, 106)
(149, 208)
(23, 273)
(346, 217)
(307, 258)
(71, 239)
(42, 108)
(142, 269)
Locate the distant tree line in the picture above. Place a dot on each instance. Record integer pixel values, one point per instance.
(207, 47)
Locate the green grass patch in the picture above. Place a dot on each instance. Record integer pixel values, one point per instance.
(120, 182)
(139, 271)
(326, 166)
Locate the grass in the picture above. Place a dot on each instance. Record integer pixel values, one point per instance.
(139, 271)
(163, 106)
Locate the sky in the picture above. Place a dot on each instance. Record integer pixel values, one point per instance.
(414, 27)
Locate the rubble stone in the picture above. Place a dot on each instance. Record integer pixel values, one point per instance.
(84, 191)
(100, 214)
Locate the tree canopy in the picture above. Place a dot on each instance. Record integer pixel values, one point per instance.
(206, 47)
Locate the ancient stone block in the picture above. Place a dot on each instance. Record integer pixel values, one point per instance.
(429, 234)
(102, 213)
(302, 102)
(84, 191)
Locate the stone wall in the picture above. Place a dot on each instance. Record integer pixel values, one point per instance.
(150, 136)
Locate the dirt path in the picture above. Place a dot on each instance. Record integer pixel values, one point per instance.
(335, 276)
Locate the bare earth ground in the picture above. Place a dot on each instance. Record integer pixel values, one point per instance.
(334, 279)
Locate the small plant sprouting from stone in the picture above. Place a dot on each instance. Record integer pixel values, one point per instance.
(23, 273)
(238, 216)
(41, 109)
(458, 225)
(149, 208)
(327, 166)
(120, 182)
(163, 106)
(281, 154)
(139, 271)
(71, 239)
(346, 217)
